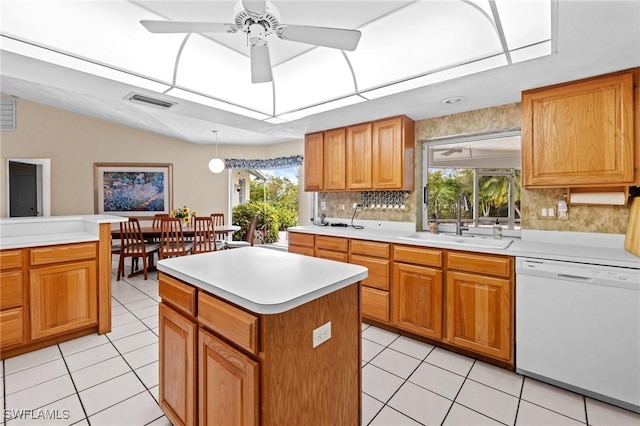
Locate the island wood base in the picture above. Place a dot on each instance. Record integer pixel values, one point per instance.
(222, 364)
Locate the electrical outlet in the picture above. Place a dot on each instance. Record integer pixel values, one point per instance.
(323, 205)
(341, 206)
(547, 212)
(322, 334)
(563, 215)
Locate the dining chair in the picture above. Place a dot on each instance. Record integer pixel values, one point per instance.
(204, 236)
(248, 242)
(133, 245)
(218, 221)
(157, 219)
(172, 241)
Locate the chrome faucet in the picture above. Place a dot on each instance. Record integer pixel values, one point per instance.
(459, 227)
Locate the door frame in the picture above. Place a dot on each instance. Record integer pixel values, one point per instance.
(43, 176)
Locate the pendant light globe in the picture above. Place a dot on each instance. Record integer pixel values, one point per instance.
(216, 165)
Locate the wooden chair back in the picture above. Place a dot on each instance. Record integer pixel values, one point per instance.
(218, 221)
(157, 219)
(133, 245)
(204, 236)
(251, 232)
(172, 242)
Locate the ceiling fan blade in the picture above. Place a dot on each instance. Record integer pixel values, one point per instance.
(321, 36)
(260, 64)
(255, 6)
(188, 27)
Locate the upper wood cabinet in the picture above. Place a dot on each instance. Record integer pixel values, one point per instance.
(393, 147)
(377, 155)
(581, 134)
(358, 156)
(313, 161)
(334, 160)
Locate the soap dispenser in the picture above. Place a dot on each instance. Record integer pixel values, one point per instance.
(497, 230)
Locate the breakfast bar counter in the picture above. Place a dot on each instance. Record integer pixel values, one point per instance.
(260, 336)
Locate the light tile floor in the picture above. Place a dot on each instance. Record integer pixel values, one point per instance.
(113, 380)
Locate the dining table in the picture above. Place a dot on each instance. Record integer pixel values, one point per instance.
(150, 233)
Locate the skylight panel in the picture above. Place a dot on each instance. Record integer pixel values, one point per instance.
(316, 76)
(204, 100)
(210, 68)
(317, 109)
(525, 22)
(423, 37)
(107, 32)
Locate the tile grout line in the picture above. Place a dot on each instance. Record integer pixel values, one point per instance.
(459, 390)
(519, 400)
(385, 404)
(73, 382)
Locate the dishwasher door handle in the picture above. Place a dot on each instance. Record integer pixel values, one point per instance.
(574, 277)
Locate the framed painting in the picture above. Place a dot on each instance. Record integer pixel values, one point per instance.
(133, 189)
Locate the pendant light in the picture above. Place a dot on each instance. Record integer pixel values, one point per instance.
(216, 165)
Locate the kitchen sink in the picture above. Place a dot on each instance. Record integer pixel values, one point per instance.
(461, 240)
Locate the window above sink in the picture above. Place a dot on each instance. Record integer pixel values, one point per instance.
(485, 167)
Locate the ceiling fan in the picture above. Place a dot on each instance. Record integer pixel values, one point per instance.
(260, 19)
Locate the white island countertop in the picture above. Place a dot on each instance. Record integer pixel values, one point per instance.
(262, 280)
(20, 232)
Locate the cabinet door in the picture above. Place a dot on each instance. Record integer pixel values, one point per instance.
(359, 157)
(334, 160)
(479, 314)
(178, 358)
(579, 133)
(417, 295)
(388, 154)
(375, 304)
(313, 162)
(228, 384)
(63, 298)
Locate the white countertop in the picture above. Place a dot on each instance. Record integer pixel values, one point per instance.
(37, 231)
(262, 280)
(588, 248)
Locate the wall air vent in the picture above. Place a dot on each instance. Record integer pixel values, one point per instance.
(8, 114)
(149, 101)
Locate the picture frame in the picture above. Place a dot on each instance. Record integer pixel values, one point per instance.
(138, 190)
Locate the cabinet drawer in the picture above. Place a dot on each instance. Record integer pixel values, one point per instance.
(375, 304)
(307, 251)
(10, 289)
(238, 326)
(11, 327)
(370, 248)
(298, 239)
(10, 259)
(418, 255)
(501, 266)
(378, 271)
(178, 294)
(332, 243)
(332, 255)
(68, 253)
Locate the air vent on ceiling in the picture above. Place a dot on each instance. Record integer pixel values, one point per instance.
(8, 114)
(146, 100)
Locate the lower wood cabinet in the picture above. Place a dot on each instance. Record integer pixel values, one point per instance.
(228, 384)
(480, 305)
(375, 304)
(417, 291)
(63, 298)
(12, 327)
(301, 243)
(375, 256)
(224, 365)
(178, 360)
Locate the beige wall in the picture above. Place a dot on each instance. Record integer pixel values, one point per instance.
(74, 142)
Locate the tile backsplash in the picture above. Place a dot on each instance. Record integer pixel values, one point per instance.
(340, 205)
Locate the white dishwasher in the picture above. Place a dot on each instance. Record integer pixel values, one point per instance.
(578, 327)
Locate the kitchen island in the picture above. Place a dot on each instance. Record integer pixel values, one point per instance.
(55, 280)
(260, 336)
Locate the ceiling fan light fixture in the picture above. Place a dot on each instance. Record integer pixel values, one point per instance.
(216, 165)
(453, 100)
